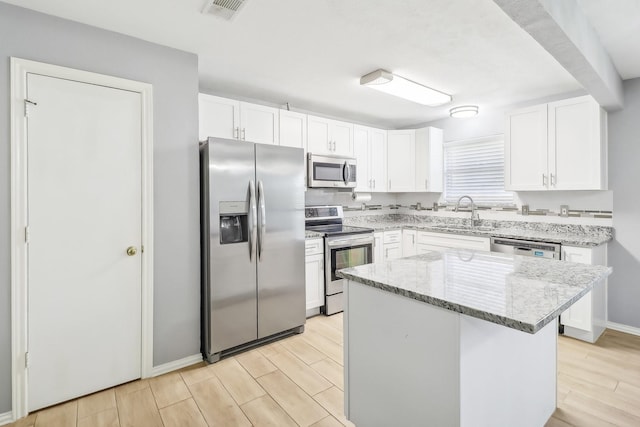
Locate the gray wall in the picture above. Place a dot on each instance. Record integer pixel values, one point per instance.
(174, 76)
(624, 179)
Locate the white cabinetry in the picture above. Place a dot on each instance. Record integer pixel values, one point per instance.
(332, 137)
(409, 242)
(436, 241)
(293, 129)
(378, 246)
(392, 244)
(401, 166)
(557, 146)
(429, 160)
(586, 319)
(227, 118)
(314, 273)
(370, 151)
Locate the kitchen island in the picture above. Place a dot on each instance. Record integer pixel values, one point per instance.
(457, 338)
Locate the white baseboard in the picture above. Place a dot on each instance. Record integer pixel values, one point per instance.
(6, 418)
(175, 365)
(623, 328)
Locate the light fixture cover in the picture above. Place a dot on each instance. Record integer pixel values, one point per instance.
(393, 84)
(464, 111)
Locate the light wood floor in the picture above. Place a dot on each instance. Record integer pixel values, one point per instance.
(298, 381)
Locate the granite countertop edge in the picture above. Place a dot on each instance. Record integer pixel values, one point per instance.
(519, 325)
(586, 241)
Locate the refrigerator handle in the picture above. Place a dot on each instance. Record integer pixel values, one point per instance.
(262, 223)
(253, 219)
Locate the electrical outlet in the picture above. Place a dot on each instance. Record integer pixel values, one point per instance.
(564, 210)
(525, 209)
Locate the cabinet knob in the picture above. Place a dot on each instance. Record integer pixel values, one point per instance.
(132, 250)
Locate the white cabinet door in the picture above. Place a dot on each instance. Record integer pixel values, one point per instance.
(578, 161)
(392, 251)
(401, 167)
(378, 247)
(318, 135)
(314, 281)
(342, 138)
(259, 123)
(361, 151)
(218, 117)
(409, 243)
(525, 158)
(579, 314)
(378, 160)
(429, 159)
(293, 129)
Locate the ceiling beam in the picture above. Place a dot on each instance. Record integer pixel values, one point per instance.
(563, 30)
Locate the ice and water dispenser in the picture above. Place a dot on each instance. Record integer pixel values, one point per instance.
(233, 222)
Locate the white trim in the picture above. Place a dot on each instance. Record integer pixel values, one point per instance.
(623, 328)
(176, 364)
(6, 418)
(19, 70)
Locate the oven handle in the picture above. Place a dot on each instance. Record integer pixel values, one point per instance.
(349, 242)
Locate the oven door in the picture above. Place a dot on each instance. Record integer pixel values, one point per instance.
(331, 172)
(343, 252)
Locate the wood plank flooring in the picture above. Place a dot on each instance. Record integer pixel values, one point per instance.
(299, 381)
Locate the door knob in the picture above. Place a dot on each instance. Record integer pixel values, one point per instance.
(131, 250)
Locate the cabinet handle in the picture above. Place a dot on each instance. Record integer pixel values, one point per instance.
(334, 146)
(426, 184)
(329, 145)
(236, 132)
(370, 183)
(389, 184)
(243, 134)
(413, 239)
(544, 180)
(553, 180)
(374, 183)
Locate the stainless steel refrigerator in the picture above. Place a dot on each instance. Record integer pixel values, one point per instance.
(252, 242)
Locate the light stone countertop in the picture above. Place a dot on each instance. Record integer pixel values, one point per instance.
(523, 293)
(571, 235)
(312, 234)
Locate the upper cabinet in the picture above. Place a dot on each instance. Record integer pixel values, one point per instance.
(429, 159)
(293, 129)
(401, 166)
(557, 146)
(332, 137)
(370, 150)
(227, 118)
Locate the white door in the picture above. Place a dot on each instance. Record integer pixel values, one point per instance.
(361, 153)
(378, 160)
(84, 210)
(293, 129)
(318, 135)
(342, 138)
(259, 123)
(401, 166)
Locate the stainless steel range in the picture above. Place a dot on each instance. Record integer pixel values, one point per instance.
(344, 246)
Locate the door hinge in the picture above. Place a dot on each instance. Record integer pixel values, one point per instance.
(26, 359)
(26, 234)
(28, 102)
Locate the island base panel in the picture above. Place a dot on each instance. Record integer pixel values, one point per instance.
(411, 363)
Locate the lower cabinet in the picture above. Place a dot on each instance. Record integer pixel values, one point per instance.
(392, 244)
(409, 242)
(587, 318)
(314, 273)
(427, 241)
(378, 246)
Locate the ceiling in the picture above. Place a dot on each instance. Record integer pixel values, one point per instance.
(311, 54)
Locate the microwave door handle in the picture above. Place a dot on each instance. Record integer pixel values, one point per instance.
(262, 223)
(253, 219)
(345, 172)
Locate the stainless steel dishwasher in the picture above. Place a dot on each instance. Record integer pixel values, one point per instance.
(526, 247)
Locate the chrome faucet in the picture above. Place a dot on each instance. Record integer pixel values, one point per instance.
(474, 215)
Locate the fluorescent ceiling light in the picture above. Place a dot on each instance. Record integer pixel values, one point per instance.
(387, 82)
(464, 111)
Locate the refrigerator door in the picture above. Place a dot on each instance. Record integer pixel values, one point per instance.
(232, 316)
(281, 277)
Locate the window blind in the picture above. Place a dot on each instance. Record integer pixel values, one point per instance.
(476, 168)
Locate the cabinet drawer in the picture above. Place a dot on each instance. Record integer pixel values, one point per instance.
(394, 236)
(453, 241)
(313, 247)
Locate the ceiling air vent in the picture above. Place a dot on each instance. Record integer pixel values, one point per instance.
(225, 9)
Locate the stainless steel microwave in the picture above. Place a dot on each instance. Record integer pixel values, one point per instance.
(330, 171)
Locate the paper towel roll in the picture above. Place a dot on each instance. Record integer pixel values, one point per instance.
(361, 197)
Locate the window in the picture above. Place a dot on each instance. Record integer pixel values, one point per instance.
(476, 168)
